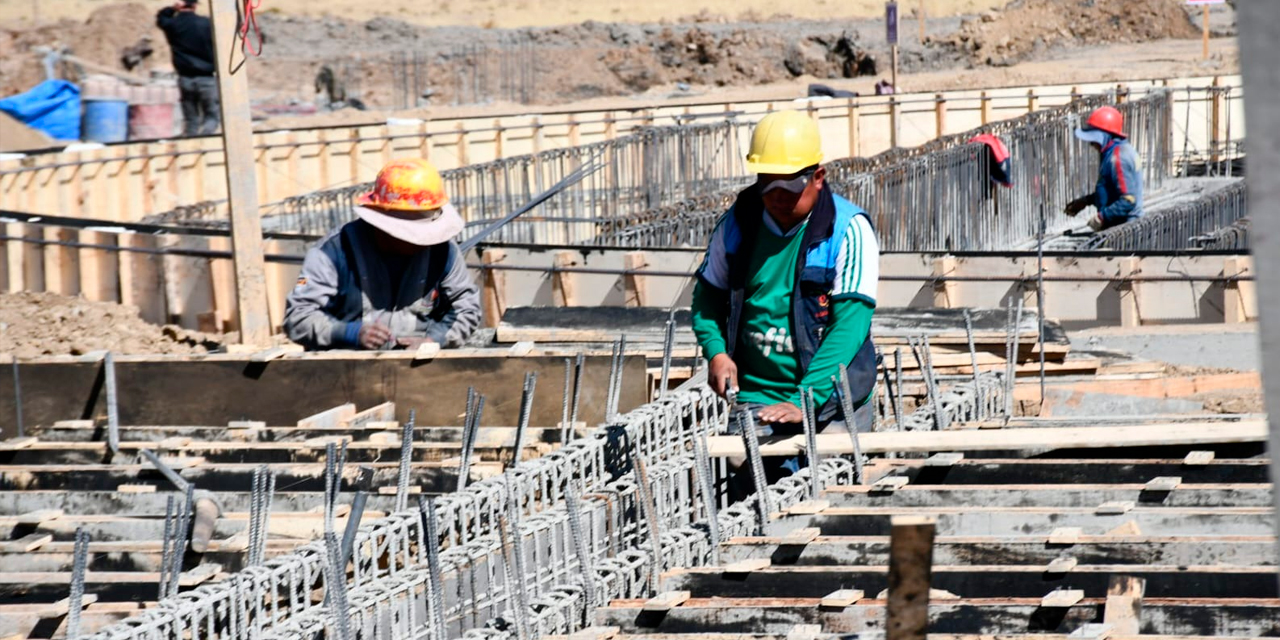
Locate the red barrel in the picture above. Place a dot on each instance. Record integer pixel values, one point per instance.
(150, 121)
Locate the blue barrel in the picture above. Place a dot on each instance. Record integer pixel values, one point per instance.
(106, 120)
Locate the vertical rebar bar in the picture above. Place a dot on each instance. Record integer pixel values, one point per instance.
(579, 362)
(706, 483)
(526, 409)
(79, 564)
(469, 435)
(668, 344)
(427, 507)
(573, 511)
(565, 402)
(747, 423)
(406, 458)
(113, 412)
(810, 421)
(845, 394)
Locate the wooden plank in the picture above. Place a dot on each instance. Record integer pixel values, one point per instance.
(666, 600)
(888, 484)
(1065, 535)
(330, 417)
(1123, 608)
(63, 607)
(1062, 598)
(1164, 387)
(26, 544)
(841, 598)
(1062, 565)
(385, 412)
(910, 572)
(1092, 631)
(242, 182)
(1115, 508)
(39, 517)
(943, 460)
(14, 444)
(809, 507)
(426, 351)
(136, 488)
(801, 537)
(1198, 458)
(747, 566)
(1182, 433)
(596, 633)
(1163, 483)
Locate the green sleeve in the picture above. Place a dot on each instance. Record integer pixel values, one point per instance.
(709, 319)
(850, 325)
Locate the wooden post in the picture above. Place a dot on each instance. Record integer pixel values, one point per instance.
(242, 184)
(497, 138)
(495, 287)
(1215, 119)
(635, 286)
(563, 282)
(944, 291)
(940, 114)
(1033, 101)
(1129, 311)
(910, 569)
(854, 129)
(1239, 303)
(1204, 36)
(921, 16)
(985, 104)
(574, 134)
(1123, 610)
(893, 121)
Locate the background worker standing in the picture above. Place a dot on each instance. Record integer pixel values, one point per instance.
(1117, 197)
(190, 37)
(394, 277)
(785, 294)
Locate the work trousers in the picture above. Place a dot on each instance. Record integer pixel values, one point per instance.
(200, 105)
(740, 484)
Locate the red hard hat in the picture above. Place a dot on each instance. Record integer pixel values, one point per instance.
(1107, 119)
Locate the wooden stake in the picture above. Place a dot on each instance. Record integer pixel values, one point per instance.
(910, 569)
(1123, 609)
(1205, 32)
(242, 183)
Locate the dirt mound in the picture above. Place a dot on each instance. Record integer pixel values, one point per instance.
(101, 38)
(1025, 27)
(36, 324)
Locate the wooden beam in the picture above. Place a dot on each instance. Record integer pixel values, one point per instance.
(242, 183)
(495, 287)
(841, 599)
(910, 571)
(1008, 439)
(1130, 312)
(636, 286)
(944, 290)
(329, 418)
(563, 282)
(666, 600)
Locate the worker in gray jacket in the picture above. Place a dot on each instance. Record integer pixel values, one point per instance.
(394, 277)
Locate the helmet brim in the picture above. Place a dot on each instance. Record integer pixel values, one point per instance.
(422, 230)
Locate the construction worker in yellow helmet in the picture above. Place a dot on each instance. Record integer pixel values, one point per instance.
(391, 278)
(785, 294)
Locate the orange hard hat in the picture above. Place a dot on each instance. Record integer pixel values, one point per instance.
(407, 185)
(1107, 119)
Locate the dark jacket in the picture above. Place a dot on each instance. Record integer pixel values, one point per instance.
(190, 37)
(345, 282)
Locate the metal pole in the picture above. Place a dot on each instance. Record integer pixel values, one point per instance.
(1259, 31)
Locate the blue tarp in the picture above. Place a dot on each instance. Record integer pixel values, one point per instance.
(53, 106)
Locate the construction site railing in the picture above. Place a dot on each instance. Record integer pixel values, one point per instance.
(939, 196)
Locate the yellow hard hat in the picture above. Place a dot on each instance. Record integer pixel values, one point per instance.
(783, 143)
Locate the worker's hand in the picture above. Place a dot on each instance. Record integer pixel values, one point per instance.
(722, 368)
(781, 413)
(374, 336)
(1077, 205)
